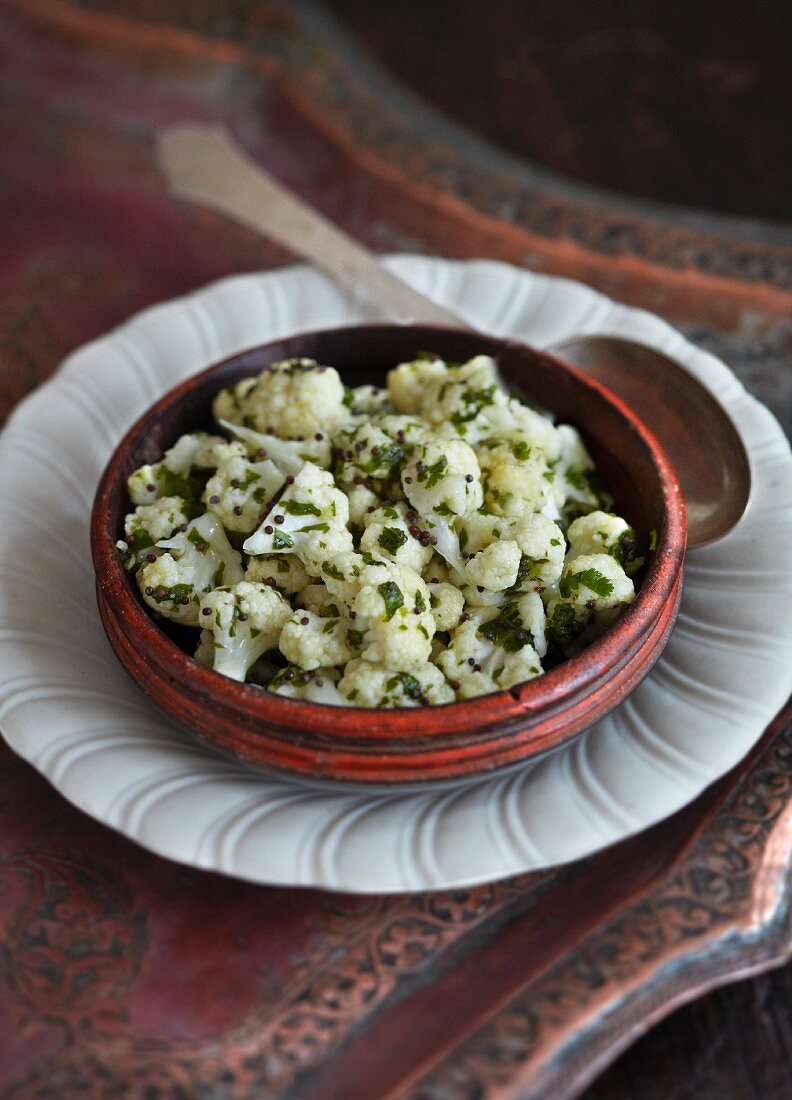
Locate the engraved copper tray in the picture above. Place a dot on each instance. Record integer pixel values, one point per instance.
(123, 974)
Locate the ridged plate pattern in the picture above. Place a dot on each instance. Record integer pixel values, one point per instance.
(67, 706)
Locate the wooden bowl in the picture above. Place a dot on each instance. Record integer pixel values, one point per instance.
(419, 745)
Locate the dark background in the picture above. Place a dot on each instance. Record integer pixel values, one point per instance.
(683, 102)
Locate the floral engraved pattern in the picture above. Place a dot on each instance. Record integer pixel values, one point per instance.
(74, 940)
(708, 899)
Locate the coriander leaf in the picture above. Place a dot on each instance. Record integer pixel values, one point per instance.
(506, 629)
(391, 539)
(298, 508)
(392, 596)
(432, 474)
(198, 541)
(592, 579)
(563, 626)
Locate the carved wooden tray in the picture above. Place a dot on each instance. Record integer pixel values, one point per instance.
(125, 975)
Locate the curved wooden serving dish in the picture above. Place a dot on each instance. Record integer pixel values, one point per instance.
(425, 744)
(123, 973)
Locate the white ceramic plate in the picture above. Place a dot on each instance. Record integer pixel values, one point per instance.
(67, 706)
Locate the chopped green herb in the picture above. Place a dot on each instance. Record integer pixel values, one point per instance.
(391, 539)
(392, 596)
(198, 541)
(420, 602)
(521, 450)
(442, 509)
(563, 625)
(653, 539)
(139, 540)
(331, 570)
(283, 566)
(590, 578)
(176, 593)
(432, 474)
(299, 508)
(387, 458)
(574, 475)
(474, 402)
(250, 477)
(177, 485)
(281, 541)
(313, 527)
(408, 684)
(506, 629)
(354, 639)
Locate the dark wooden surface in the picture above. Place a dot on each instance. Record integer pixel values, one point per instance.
(123, 975)
(683, 103)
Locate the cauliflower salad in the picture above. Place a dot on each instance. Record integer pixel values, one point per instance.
(432, 541)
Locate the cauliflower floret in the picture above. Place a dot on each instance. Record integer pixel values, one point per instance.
(443, 477)
(543, 546)
(402, 429)
(282, 571)
(596, 582)
(171, 476)
(241, 491)
(362, 502)
(476, 596)
(540, 539)
(479, 529)
(318, 599)
(245, 620)
(392, 610)
(296, 397)
(311, 641)
(148, 524)
(517, 479)
(198, 560)
(289, 455)
(366, 684)
(366, 455)
(603, 532)
(508, 417)
(496, 566)
(447, 603)
(407, 383)
(367, 400)
(576, 486)
(216, 449)
(205, 650)
(315, 686)
(390, 535)
(491, 650)
(455, 403)
(310, 520)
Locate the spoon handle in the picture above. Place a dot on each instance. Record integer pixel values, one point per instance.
(204, 165)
